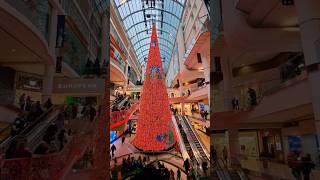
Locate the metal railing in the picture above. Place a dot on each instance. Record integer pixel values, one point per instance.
(27, 131)
(52, 166)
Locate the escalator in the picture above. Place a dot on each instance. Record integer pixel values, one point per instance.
(184, 138)
(197, 148)
(34, 130)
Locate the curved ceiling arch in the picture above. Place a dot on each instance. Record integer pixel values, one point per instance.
(147, 38)
(160, 46)
(130, 0)
(150, 20)
(143, 53)
(137, 17)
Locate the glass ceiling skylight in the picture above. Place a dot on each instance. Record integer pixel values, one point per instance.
(138, 16)
(101, 5)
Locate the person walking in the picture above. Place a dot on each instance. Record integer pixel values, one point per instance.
(123, 138)
(171, 175)
(225, 155)
(205, 167)
(113, 148)
(22, 101)
(295, 164)
(48, 104)
(307, 166)
(178, 174)
(186, 165)
(74, 111)
(92, 113)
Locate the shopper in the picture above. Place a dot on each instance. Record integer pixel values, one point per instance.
(28, 104)
(123, 138)
(294, 162)
(22, 101)
(61, 139)
(307, 166)
(74, 111)
(225, 155)
(178, 174)
(171, 174)
(205, 167)
(92, 113)
(113, 148)
(48, 104)
(186, 165)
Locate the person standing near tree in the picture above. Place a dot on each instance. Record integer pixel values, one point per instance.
(225, 154)
(22, 101)
(186, 165)
(113, 148)
(123, 138)
(178, 174)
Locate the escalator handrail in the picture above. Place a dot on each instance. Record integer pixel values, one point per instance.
(29, 128)
(72, 151)
(200, 142)
(38, 120)
(183, 147)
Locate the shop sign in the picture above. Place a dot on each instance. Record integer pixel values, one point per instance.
(294, 143)
(29, 82)
(134, 89)
(79, 85)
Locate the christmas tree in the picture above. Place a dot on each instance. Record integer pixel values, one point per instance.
(155, 130)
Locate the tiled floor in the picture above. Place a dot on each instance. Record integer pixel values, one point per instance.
(275, 170)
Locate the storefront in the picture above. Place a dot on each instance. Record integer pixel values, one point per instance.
(78, 91)
(219, 141)
(28, 84)
(270, 144)
(249, 147)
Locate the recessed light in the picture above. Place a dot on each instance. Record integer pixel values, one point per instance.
(13, 50)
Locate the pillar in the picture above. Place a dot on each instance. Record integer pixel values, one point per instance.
(309, 21)
(234, 147)
(47, 82)
(226, 92)
(126, 74)
(206, 73)
(182, 109)
(49, 67)
(206, 66)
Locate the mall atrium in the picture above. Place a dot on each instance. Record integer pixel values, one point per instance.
(159, 89)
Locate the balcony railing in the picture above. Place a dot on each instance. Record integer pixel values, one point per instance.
(52, 166)
(37, 11)
(119, 63)
(116, 117)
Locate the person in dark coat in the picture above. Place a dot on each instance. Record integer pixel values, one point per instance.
(113, 148)
(307, 166)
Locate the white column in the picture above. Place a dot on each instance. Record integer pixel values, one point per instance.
(309, 20)
(126, 77)
(49, 68)
(206, 66)
(47, 82)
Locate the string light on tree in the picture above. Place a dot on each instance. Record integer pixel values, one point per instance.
(155, 130)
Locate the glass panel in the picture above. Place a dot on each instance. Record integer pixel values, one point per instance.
(138, 18)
